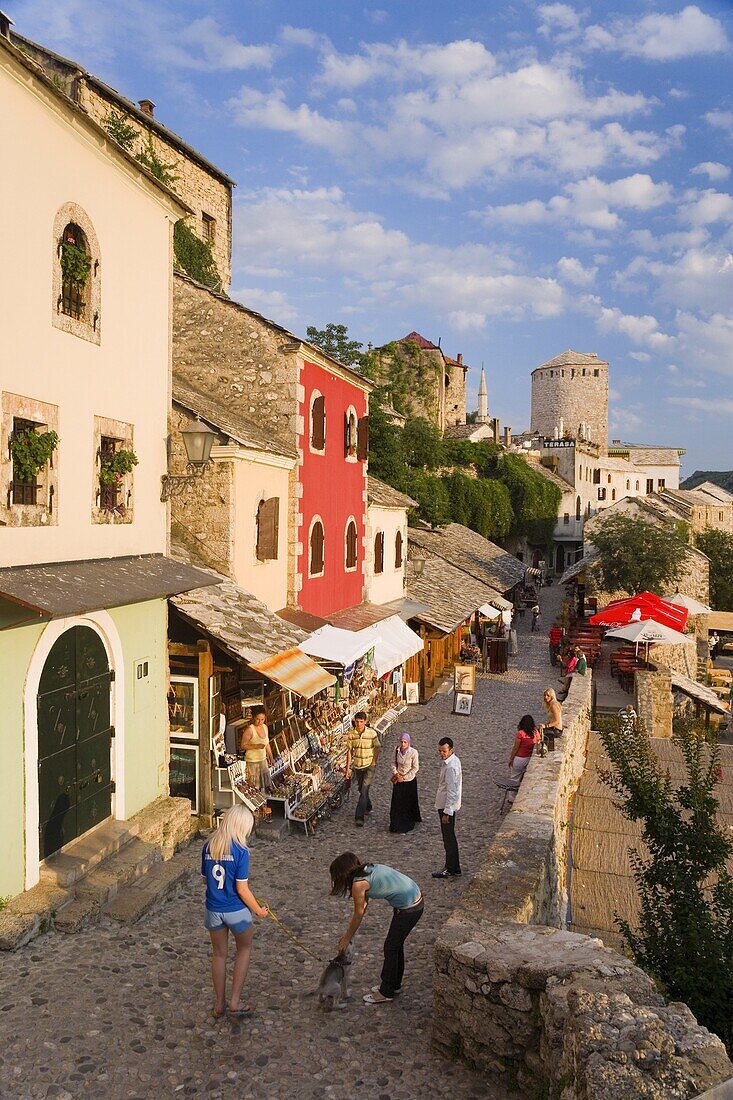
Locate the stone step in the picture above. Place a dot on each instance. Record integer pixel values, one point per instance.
(32, 912)
(82, 855)
(104, 882)
(162, 880)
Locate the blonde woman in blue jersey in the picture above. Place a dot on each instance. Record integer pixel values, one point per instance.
(363, 882)
(230, 905)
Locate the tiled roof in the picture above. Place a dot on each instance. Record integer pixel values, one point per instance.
(546, 472)
(229, 421)
(455, 363)
(473, 554)
(710, 489)
(416, 338)
(464, 431)
(654, 456)
(572, 358)
(450, 594)
(378, 492)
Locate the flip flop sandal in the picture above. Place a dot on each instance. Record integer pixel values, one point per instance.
(240, 1013)
(218, 1015)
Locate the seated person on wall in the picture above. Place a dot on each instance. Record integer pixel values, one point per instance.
(555, 636)
(576, 663)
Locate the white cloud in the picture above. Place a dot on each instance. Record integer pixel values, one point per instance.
(221, 51)
(640, 356)
(401, 62)
(626, 421)
(559, 21)
(642, 330)
(589, 202)
(661, 37)
(712, 169)
(271, 303)
(702, 277)
(717, 407)
(721, 120)
(705, 207)
(302, 230)
(707, 341)
(376, 15)
(269, 110)
(571, 270)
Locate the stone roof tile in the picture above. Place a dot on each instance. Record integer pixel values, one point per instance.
(472, 554)
(378, 492)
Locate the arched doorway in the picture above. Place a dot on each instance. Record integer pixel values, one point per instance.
(560, 560)
(74, 738)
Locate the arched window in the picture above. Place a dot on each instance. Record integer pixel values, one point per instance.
(268, 521)
(587, 509)
(609, 479)
(628, 483)
(76, 282)
(351, 545)
(351, 433)
(398, 550)
(613, 494)
(637, 486)
(317, 563)
(318, 422)
(379, 552)
(578, 508)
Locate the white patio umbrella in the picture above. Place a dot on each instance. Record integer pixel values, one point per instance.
(693, 606)
(648, 631)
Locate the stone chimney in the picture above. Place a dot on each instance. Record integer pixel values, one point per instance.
(507, 437)
(5, 24)
(146, 106)
(496, 427)
(459, 359)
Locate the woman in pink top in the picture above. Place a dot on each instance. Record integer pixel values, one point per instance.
(527, 737)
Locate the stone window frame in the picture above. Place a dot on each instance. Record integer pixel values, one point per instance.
(112, 429)
(44, 513)
(90, 330)
(208, 229)
(352, 434)
(351, 568)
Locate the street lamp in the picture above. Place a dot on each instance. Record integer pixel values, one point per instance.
(198, 439)
(417, 559)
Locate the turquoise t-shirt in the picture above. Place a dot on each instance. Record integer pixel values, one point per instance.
(391, 886)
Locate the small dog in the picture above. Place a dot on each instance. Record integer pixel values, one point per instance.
(332, 989)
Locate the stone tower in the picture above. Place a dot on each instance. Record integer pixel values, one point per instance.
(483, 401)
(572, 390)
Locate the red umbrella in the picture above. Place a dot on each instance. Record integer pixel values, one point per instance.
(646, 605)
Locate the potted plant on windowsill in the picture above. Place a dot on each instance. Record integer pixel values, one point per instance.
(113, 468)
(75, 263)
(31, 451)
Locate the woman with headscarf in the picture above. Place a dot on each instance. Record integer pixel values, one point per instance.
(404, 812)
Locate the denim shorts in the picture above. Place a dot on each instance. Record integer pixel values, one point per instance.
(239, 920)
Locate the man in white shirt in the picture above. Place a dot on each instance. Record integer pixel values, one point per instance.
(448, 803)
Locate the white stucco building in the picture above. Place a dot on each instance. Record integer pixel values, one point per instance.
(386, 542)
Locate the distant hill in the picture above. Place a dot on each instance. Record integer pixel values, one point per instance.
(723, 478)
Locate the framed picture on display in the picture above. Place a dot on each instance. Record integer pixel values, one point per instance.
(412, 693)
(251, 692)
(462, 703)
(464, 678)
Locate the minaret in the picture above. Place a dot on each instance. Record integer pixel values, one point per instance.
(483, 401)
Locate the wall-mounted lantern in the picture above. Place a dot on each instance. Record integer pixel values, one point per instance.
(198, 439)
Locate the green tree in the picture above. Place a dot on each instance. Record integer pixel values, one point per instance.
(535, 499)
(685, 933)
(431, 494)
(421, 444)
(334, 340)
(636, 556)
(718, 546)
(386, 460)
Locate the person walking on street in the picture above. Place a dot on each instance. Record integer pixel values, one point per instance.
(448, 803)
(361, 761)
(230, 905)
(364, 881)
(535, 617)
(404, 811)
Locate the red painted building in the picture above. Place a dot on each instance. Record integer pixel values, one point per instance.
(332, 482)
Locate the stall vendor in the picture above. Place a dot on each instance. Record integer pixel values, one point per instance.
(255, 744)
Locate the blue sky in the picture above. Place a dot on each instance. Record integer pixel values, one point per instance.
(513, 178)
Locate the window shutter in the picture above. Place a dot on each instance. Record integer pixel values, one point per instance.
(318, 424)
(351, 540)
(268, 522)
(379, 553)
(398, 550)
(362, 438)
(317, 548)
(347, 434)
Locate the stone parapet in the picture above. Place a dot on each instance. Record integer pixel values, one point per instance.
(550, 1012)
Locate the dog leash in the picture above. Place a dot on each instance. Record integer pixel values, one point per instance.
(289, 934)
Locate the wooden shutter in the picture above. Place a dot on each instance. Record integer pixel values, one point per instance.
(318, 424)
(317, 548)
(351, 539)
(268, 524)
(362, 438)
(379, 553)
(398, 550)
(347, 434)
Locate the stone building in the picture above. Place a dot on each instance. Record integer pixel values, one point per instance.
(306, 403)
(423, 380)
(84, 576)
(204, 188)
(570, 397)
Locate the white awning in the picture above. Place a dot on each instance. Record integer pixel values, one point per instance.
(342, 647)
(394, 643)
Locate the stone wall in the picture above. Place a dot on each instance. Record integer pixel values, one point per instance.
(415, 378)
(654, 703)
(552, 1013)
(455, 394)
(580, 399)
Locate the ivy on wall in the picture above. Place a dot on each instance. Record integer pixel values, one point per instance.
(194, 256)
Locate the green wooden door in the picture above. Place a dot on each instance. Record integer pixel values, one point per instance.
(74, 736)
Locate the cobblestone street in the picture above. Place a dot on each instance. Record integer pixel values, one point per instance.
(127, 1013)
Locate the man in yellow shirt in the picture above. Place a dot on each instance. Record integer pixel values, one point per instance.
(361, 759)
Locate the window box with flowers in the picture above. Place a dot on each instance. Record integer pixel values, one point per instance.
(115, 466)
(31, 451)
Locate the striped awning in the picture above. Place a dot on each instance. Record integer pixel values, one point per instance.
(297, 672)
